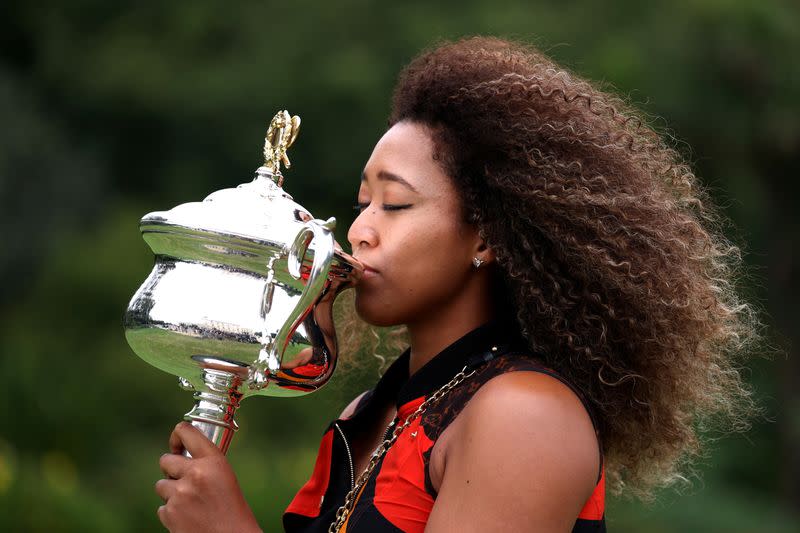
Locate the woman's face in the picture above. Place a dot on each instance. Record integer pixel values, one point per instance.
(410, 232)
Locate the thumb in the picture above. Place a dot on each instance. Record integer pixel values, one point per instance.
(186, 436)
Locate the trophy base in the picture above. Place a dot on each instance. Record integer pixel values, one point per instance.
(215, 406)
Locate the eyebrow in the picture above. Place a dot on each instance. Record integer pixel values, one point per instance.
(383, 175)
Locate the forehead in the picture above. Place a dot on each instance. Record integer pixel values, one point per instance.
(407, 150)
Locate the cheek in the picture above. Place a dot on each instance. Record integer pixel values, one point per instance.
(426, 268)
(432, 255)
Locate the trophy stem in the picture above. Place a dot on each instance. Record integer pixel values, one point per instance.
(215, 408)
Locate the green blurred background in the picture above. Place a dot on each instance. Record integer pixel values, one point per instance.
(109, 110)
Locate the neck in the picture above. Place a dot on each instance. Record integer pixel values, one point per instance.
(439, 329)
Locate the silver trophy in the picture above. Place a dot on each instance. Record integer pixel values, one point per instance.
(240, 299)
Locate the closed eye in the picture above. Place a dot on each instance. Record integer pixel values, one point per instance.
(395, 207)
(359, 207)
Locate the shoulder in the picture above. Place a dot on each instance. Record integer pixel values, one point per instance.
(529, 395)
(536, 413)
(353, 405)
(525, 444)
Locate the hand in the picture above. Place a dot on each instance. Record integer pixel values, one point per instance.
(200, 493)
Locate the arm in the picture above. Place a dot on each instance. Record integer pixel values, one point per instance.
(200, 494)
(523, 457)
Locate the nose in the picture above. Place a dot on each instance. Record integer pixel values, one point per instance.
(362, 232)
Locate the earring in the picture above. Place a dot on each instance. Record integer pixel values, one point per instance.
(477, 261)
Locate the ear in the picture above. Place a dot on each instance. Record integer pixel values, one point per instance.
(483, 252)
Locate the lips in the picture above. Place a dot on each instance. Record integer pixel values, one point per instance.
(369, 271)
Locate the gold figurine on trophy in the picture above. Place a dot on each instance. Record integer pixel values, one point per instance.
(281, 134)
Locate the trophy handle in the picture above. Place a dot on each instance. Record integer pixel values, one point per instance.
(321, 233)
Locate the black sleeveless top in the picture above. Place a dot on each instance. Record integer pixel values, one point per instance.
(399, 495)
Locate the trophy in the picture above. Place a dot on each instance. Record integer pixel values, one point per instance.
(240, 299)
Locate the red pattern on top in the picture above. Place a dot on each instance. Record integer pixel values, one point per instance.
(308, 500)
(400, 494)
(596, 504)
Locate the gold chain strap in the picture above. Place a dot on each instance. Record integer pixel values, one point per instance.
(349, 502)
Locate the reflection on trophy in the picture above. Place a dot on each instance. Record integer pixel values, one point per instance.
(240, 299)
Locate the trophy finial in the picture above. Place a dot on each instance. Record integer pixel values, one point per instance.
(281, 134)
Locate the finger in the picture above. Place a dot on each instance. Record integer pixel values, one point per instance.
(175, 442)
(186, 436)
(165, 488)
(163, 516)
(173, 465)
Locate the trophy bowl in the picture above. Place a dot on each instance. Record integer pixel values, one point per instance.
(240, 298)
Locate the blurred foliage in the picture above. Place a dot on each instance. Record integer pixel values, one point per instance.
(114, 109)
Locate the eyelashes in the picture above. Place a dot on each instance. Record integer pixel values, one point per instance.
(359, 207)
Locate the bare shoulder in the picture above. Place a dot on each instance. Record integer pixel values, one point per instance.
(536, 413)
(527, 397)
(351, 407)
(524, 451)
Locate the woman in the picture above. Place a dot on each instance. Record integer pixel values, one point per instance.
(568, 299)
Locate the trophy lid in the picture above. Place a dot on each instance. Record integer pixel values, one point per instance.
(236, 226)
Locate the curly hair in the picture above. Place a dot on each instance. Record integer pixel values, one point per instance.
(611, 252)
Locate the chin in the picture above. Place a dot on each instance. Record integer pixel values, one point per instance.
(376, 313)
